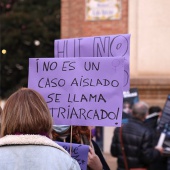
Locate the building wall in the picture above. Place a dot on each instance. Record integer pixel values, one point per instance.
(150, 29)
(149, 60)
(73, 23)
(149, 26)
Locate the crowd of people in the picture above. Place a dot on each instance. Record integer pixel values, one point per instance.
(133, 143)
(28, 138)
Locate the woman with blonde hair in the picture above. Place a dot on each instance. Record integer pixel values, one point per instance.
(26, 128)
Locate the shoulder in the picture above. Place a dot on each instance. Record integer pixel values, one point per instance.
(29, 140)
(44, 154)
(43, 157)
(137, 128)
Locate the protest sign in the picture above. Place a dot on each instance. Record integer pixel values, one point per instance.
(99, 46)
(165, 118)
(80, 91)
(78, 151)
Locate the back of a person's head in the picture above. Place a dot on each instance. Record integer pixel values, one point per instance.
(26, 112)
(154, 109)
(140, 110)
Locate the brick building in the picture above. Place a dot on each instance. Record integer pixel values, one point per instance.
(74, 24)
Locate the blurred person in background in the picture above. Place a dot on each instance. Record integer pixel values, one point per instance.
(81, 135)
(153, 117)
(135, 140)
(127, 107)
(151, 121)
(126, 112)
(25, 142)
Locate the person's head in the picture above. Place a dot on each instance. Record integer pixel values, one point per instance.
(155, 109)
(140, 110)
(26, 112)
(127, 107)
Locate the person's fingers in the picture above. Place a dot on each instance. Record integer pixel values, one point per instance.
(91, 150)
(160, 149)
(92, 155)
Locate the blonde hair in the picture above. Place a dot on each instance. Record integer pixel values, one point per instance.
(26, 112)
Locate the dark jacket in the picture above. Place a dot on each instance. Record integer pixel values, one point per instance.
(151, 122)
(137, 141)
(125, 117)
(161, 163)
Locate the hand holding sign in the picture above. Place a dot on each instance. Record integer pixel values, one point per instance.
(78, 152)
(93, 160)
